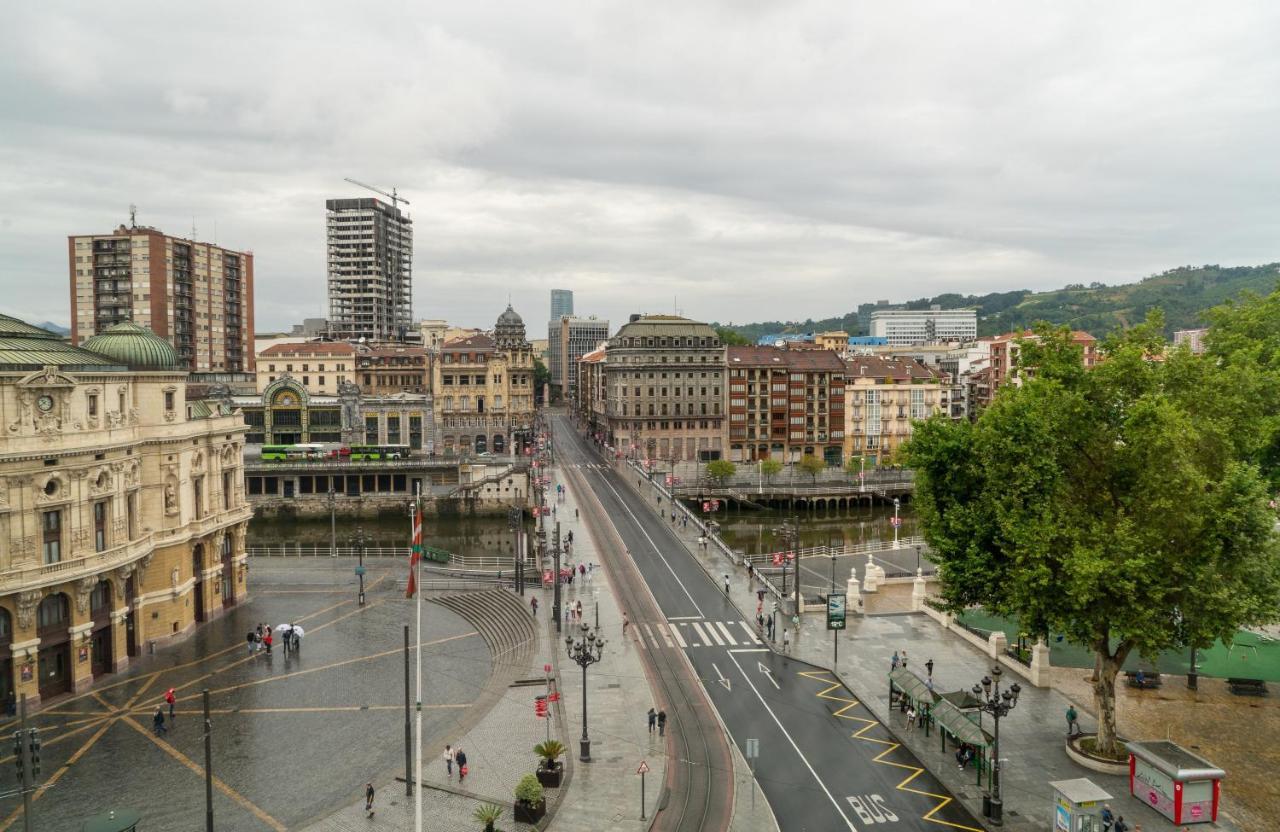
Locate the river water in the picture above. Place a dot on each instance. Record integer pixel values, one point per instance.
(488, 535)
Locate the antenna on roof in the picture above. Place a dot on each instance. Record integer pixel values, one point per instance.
(133, 215)
(193, 229)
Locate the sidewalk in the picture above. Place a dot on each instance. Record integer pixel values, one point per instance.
(1031, 738)
(605, 793)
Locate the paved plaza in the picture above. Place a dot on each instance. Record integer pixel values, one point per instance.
(294, 737)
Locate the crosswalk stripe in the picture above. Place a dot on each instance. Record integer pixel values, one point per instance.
(666, 636)
(755, 639)
(711, 631)
(725, 630)
(652, 638)
(705, 641)
(675, 631)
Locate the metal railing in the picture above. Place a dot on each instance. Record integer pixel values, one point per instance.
(869, 547)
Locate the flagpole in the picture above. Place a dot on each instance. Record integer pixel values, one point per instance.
(417, 719)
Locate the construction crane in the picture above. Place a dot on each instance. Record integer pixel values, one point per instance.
(395, 199)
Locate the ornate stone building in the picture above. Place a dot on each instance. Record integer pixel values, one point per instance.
(484, 392)
(122, 508)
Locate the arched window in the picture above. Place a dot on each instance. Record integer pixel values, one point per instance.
(54, 613)
(100, 599)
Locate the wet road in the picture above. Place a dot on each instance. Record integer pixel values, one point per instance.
(825, 762)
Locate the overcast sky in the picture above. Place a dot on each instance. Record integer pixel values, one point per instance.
(743, 160)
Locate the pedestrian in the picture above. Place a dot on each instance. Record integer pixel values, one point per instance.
(904, 659)
(750, 572)
(295, 636)
(157, 721)
(252, 638)
(726, 584)
(284, 639)
(662, 723)
(653, 720)
(578, 609)
(575, 514)
(171, 700)
(1120, 826)
(582, 571)
(448, 760)
(1108, 819)
(769, 623)
(266, 640)
(368, 800)
(786, 640)
(461, 757)
(625, 623)
(1073, 721)
(928, 666)
(893, 663)
(533, 603)
(759, 621)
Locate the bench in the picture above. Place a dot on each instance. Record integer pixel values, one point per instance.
(1248, 687)
(1149, 680)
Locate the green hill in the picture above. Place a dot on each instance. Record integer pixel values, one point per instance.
(1183, 293)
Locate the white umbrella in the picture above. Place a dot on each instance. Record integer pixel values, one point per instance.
(298, 631)
(283, 628)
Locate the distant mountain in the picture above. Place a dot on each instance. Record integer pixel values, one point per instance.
(55, 328)
(1183, 293)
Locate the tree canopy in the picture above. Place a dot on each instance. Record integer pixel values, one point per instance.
(1116, 505)
(721, 470)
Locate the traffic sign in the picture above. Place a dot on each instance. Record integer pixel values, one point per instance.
(777, 558)
(643, 768)
(895, 522)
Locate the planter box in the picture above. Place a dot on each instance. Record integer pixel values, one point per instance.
(529, 812)
(550, 777)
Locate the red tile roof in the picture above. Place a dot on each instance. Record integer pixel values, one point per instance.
(805, 360)
(310, 348)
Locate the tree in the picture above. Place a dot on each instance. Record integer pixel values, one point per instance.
(770, 468)
(721, 470)
(731, 338)
(1108, 504)
(812, 466)
(550, 751)
(855, 465)
(541, 378)
(488, 814)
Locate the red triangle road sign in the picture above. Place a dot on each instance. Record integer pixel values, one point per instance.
(643, 769)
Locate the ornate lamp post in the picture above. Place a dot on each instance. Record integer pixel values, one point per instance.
(358, 542)
(585, 650)
(998, 703)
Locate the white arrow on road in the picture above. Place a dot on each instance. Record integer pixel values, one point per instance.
(723, 680)
(768, 674)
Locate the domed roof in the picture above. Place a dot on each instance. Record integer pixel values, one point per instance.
(134, 345)
(11, 326)
(510, 318)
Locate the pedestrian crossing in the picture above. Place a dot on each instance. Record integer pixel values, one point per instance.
(689, 634)
(592, 466)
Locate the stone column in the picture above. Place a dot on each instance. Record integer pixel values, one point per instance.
(26, 663)
(918, 591)
(853, 591)
(996, 644)
(119, 640)
(81, 658)
(1041, 669)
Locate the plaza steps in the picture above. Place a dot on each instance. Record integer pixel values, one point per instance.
(502, 621)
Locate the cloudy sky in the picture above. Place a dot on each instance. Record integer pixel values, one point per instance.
(743, 160)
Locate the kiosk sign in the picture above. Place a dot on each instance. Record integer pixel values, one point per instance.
(835, 611)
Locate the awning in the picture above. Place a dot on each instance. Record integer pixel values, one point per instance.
(958, 724)
(912, 685)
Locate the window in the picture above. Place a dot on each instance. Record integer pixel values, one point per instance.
(100, 517)
(168, 400)
(93, 404)
(393, 430)
(197, 494)
(227, 488)
(131, 509)
(371, 430)
(51, 524)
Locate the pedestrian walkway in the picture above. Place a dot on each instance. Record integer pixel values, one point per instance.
(1031, 739)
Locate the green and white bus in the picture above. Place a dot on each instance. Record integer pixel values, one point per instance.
(379, 452)
(294, 453)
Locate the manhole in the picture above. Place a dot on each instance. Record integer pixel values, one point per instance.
(613, 685)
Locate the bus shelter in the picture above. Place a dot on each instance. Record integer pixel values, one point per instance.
(1182, 786)
(963, 730)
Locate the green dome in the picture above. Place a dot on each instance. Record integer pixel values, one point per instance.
(135, 346)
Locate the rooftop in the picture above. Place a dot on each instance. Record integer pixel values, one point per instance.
(310, 348)
(878, 366)
(27, 347)
(797, 359)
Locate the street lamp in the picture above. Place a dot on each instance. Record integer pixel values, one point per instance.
(585, 650)
(896, 521)
(997, 703)
(790, 531)
(515, 521)
(358, 541)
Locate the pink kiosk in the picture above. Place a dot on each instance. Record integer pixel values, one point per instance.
(1182, 786)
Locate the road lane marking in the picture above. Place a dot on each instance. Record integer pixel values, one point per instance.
(750, 650)
(768, 674)
(722, 679)
(666, 635)
(706, 635)
(725, 630)
(803, 759)
(684, 618)
(755, 639)
(656, 550)
(675, 631)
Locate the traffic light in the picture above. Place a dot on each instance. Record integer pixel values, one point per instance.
(18, 757)
(35, 752)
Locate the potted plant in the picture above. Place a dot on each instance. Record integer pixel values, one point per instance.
(488, 814)
(550, 769)
(531, 803)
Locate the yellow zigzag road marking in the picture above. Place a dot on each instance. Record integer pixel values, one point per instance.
(869, 724)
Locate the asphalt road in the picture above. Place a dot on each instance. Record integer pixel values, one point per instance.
(824, 763)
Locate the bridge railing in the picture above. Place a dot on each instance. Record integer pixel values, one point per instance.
(477, 563)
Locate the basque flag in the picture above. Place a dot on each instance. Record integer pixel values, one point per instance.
(416, 554)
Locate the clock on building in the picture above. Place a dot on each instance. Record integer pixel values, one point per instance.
(45, 403)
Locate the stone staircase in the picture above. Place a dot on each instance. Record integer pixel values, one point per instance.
(503, 622)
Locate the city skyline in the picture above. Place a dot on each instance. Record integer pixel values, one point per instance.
(857, 156)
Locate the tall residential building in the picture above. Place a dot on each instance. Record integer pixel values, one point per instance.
(884, 398)
(370, 270)
(122, 507)
(561, 303)
(664, 376)
(1193, 338)
(568, 340)
(785, 403)
(197, 296)
(904, 327)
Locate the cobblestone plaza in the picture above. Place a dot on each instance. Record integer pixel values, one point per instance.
(295, 736)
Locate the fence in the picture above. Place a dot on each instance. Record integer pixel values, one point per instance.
(292, 550)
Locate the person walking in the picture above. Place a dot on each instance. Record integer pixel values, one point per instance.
(157, 721)
(662, 723)
(1120, 826)
(578, 610)
(760, 621)
(626, 622)
(751, 571)
(1073, 721)
(368, 800)
(653, 720)
(448, 761)
(786, 640)
(284, 639)
(893, 663)
(769, 624)
(726, 584)
(266, 640)
(461, 757)
(171, 700)
(533, 604)
(252, 638)
(1108, 818)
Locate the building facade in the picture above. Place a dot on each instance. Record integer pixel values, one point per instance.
(568, 340)
(904, 327)
(665, 377)
(197, 296)
(1002, 364)
(561, 304)
(1193, 338)
(387, 369)
(321, 367)
(883, 398)
(784, 404)
(370, 256)
(122, 509)
(484, 393)
(592, 394)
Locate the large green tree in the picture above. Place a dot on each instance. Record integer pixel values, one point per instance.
(1109, 504)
